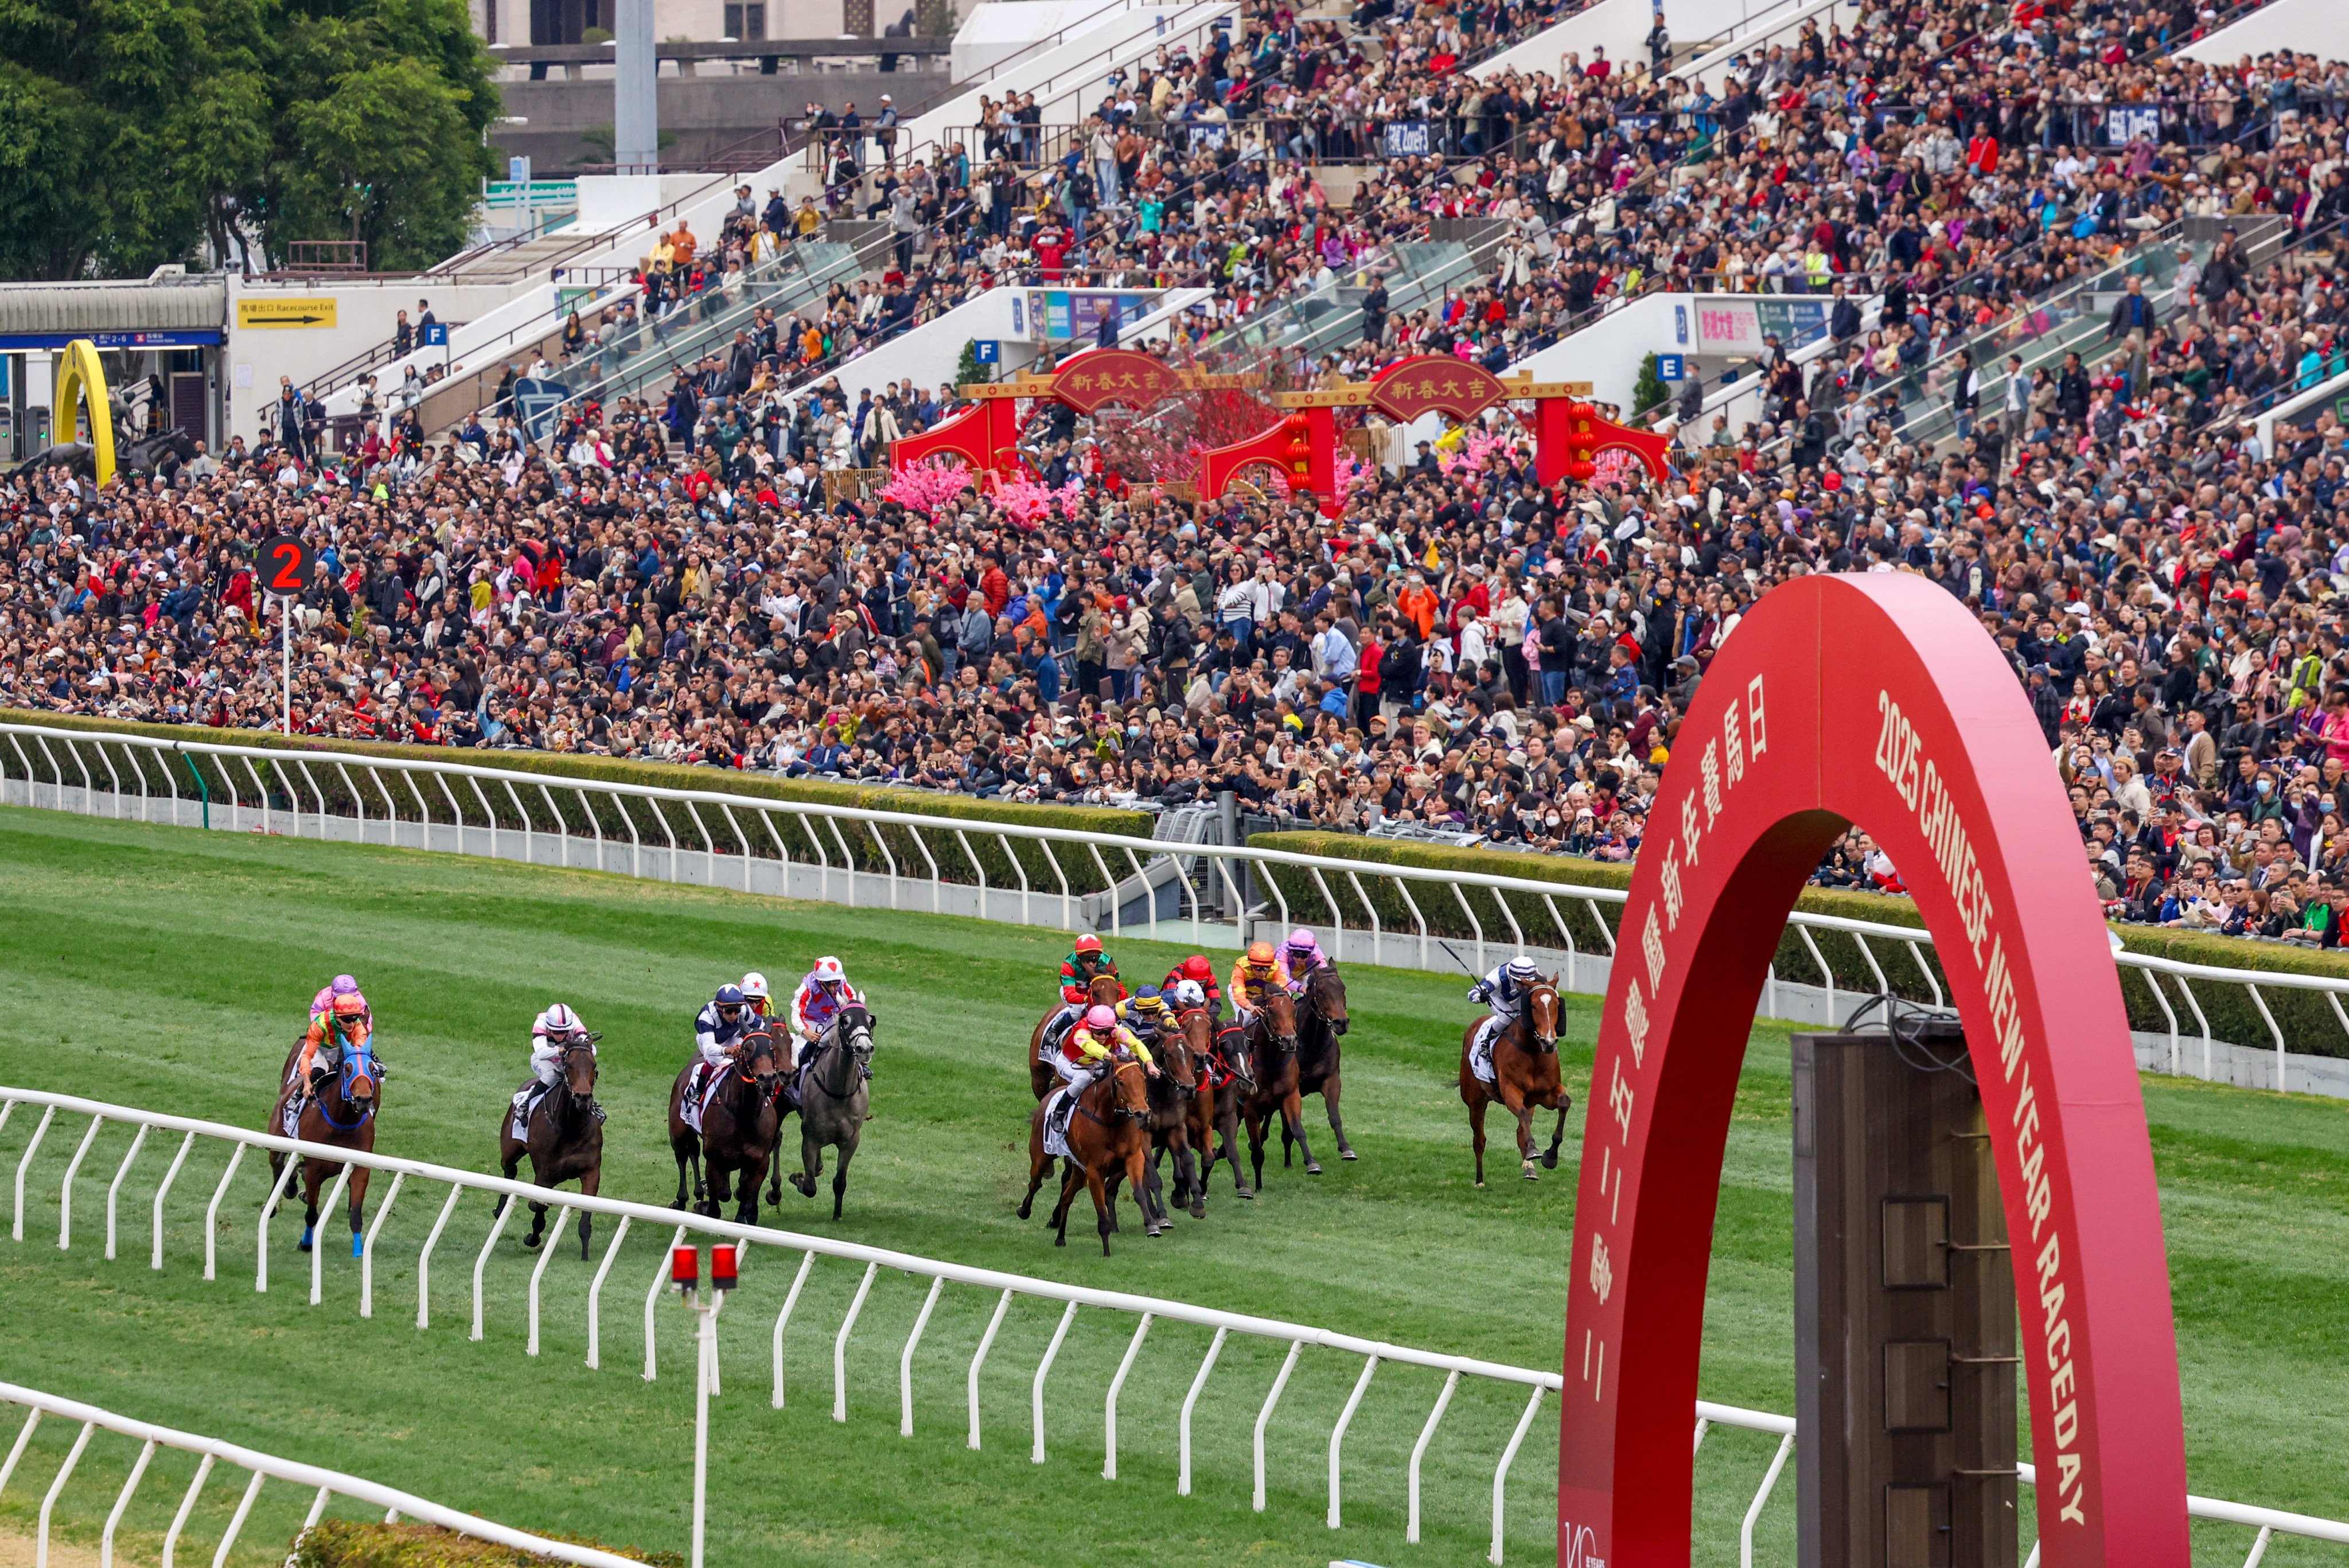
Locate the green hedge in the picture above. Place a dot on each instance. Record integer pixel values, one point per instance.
(2305, 1017)
(524, 808)
(349, 1544)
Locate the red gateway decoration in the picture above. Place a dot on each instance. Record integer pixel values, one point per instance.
(1570, 433)
(1435, 382)
(1875, 700)
(986, 436)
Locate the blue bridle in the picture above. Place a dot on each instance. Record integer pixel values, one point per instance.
(353, 1059)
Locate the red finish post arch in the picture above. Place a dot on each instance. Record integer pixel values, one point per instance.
(1877, 700)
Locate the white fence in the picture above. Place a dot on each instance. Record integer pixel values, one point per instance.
(1202, 894)
(327, 1485)
(1144, 1311)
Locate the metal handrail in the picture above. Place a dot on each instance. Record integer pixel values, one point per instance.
(329, 1483)
(1003, 1285)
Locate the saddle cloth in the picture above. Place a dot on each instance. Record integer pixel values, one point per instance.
(1480, 1051)
(524, 1098)
(290, 1120)
(696, 1088)
(1057, 1109)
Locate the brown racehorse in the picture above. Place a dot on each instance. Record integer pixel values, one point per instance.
(1272, 1048)
(342, 1113)
(1226, 1084)
(1525, 1059)
(1173, 1095)
(1197, 1026)
(1107, 1145)
(1320, 1020)
(741, 1115)
(564, 1140)
(1105, 989)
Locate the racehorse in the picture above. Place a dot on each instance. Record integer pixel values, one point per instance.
(1107, 1145)
(1226, 1081)
(564, 1138)
(834, 1101)
(1172, 1097)
(1322, 1020)
(341, 1113)
(1103, 990)
(740, 1116)
(1524, 1060)
(1272, 1046)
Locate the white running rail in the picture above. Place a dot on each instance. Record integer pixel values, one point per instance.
(1205, 894)
(327, 1485)
(1539, 1385)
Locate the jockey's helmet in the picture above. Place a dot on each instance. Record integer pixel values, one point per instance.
(343, 985)
(1100, 1019)
(1301, 939)
(1148, 1000)
(1260, 955)
(728, 1001)
(1199, 966)
(754, 988)
(1189, 994)
(1523, 970)
(1089, 943)
(828, 970)
(559, 1023)
(348, 1012)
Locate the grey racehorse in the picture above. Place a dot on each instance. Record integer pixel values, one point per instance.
(834, 1101)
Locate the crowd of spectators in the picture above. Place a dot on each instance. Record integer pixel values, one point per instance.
(680, 577)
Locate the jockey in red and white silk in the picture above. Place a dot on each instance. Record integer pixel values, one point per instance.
(822, 993)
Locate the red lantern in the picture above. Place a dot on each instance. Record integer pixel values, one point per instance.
(685, 1269)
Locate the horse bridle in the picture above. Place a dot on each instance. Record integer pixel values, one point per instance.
(1116, 1067)
(349, 1066)
(1313, 1007)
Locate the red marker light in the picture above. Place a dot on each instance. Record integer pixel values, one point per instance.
(721, 1265)
(685, 1268)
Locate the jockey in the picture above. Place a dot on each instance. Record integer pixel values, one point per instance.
(1200, 971)
(1146, 1013)
(1505, 990)
(339, 1016)
(1259, 968)
(553, 1030)
(1077, 972)
(718, 1029)
(1089, 1048)
(822, 994)
(1302, 952)
(755, 995)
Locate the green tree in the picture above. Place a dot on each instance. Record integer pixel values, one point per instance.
(124, 124)
(136, 132)
(379, 109)
(1649, 392)
(967, 369)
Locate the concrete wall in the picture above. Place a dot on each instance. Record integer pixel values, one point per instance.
(706, 112)
(365, 313)
(2318, 28)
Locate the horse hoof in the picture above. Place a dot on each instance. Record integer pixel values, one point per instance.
(1549, 1160)
(1060, 1241)
(1313, 1168)
(304, 1242)
(1025, 1211)
(358, 1247)
(1480, 1186)
(1249, 1193)
(1531, 1175)
(530, 1243)
(1345, 1153)
(1198, 1211)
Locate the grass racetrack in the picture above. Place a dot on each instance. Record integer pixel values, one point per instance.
(168, 969)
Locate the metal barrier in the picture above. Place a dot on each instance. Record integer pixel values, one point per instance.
(1145, 1310)
(329, 1484)
(1068, 879)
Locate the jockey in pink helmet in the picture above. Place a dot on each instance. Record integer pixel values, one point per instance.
(1302, 956)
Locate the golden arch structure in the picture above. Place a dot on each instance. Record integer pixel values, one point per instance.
(81, 378)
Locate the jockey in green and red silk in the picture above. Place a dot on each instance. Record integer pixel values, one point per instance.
(1085, 961)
